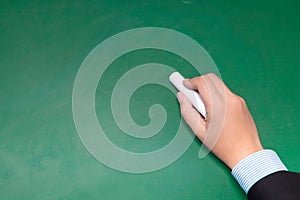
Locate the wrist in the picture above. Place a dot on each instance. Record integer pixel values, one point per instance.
(239, 156)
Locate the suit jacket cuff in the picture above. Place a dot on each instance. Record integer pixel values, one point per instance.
(255, 167)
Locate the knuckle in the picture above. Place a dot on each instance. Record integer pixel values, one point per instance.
(212, 75)
(183, 110)
(239, 100)
(242, 100)
(215, 78)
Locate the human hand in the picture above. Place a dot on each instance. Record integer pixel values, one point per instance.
(229, 127)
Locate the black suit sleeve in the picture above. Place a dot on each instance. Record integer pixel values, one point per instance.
(282, 185)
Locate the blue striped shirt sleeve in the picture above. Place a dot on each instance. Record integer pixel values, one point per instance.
(255, 167)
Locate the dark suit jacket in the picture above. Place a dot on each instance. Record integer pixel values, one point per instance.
(281, 185)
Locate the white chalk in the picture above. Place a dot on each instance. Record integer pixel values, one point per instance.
(177, 80)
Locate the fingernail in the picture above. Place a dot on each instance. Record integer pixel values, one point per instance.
(186, 83)
(179, 97)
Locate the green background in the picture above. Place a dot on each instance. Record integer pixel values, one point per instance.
(255, 45)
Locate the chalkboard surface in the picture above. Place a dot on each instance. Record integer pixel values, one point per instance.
(255, 45)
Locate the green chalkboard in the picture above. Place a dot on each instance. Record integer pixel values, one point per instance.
(255, 45)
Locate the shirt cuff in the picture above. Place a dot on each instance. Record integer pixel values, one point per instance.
(255, 167)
